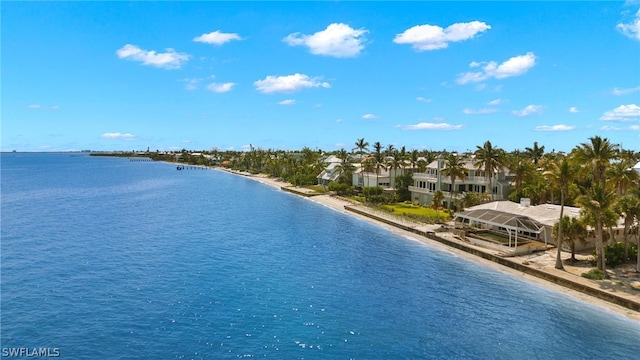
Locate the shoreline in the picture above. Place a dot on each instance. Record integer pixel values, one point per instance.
(544, 262)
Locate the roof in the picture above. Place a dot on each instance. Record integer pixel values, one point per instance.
(332, 159)
(547, 214)
(330, 173)
(502, 219)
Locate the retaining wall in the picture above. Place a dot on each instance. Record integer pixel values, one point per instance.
(604, 295)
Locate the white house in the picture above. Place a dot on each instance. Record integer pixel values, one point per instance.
(385, 178)
(330, 173)
(533, 222)
(427, 183)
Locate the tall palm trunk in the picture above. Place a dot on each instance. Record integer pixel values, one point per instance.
(491, 185)
(627, 225)
(600, 255)
(560, 234)
(453, 187)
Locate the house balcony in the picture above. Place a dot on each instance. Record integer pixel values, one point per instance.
(475, 180)
(447, 194)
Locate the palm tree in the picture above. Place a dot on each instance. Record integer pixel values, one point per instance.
(363, 148)
(455, 169)
(573, 229)
(596, 211)
(489, 159)
(535, 153)
(521, 170)
(628, 205)
(414, 157)
(394, 162)
(438, 198)
(622, 175)
(378, 157)
(389, 150)
(597, 155)
(561, 174)
(429, 156)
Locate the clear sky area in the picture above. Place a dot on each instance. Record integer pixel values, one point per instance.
(285, 75)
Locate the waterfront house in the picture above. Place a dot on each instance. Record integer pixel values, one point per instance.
(384, 177)
(425, 184)
(331, 172)
(526, 221)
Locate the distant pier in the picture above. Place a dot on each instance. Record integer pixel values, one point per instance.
(191, 167)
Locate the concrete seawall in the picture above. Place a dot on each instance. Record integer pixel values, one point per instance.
(577, 285)
(299, 191)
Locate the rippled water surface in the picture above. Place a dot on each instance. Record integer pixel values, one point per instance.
(103, 258)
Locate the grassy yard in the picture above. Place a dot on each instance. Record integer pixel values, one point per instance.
(317, 188)
(416, 211)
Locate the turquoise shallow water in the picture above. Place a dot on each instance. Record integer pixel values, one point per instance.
(103, 258)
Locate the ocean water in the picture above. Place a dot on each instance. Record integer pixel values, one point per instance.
(104, 258)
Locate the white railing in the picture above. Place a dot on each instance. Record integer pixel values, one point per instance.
(446, 194)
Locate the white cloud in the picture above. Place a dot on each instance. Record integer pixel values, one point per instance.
(216, 38)
(167, 60)
(422, 99)
(191, 83)
(287, 102)
(617, 91)
(610, 128)
(559, 127)
(432, 126)
(479, 111)
(337, 40)
(515, 66)
(573, 109)
(38, 106)
(622, 113)
(495, 102)
(220, 87)
(432, 37)
(634, 127)
(288, 83)
(632, 29)
(369, 116)
(117, 135)
(529, 110)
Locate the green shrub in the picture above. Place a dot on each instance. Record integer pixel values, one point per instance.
(340, 188)
(633, 251)
(614, 254)
(373, 194)
(594, 274)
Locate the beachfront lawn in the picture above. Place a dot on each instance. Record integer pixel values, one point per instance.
(317, 188)
(417, 212)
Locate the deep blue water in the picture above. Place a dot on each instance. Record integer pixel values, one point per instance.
(103, 258)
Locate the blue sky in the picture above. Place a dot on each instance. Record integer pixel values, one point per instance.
(284, 75)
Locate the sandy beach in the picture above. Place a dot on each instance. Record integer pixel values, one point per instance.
(544, 261)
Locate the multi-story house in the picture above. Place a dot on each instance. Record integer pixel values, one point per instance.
(427, 183)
